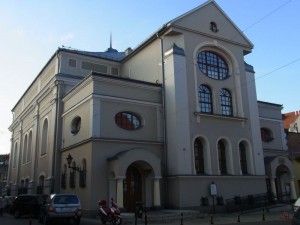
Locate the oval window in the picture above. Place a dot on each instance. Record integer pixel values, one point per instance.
(128, 120)
(212, 65)
(76, 125)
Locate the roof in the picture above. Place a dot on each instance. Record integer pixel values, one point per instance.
(290, 118)
(110, 53)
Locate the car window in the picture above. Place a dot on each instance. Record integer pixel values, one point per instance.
(297, 214)
(66, 199)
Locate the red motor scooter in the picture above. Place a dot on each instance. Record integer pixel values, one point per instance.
(110, 214)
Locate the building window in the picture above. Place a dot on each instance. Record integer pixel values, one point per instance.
(72, 181)
(72, 62)
(64, 178)
(40, 187)
(24, 150)
(128, 120)
(212, 65)
(222, 157)
(199, 156)
(266, 135)
(44, 137)
(94, 67)
(243, 158)
(205, 99)
(29, 149)
(114, 71)
(15, 156)
(226, 102)
(75, 125)
(82, 175)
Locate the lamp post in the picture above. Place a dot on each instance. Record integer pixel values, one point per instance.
(69, 161)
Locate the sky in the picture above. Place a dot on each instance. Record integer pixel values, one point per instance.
(32, 30)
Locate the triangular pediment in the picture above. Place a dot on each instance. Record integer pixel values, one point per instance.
(200, 18)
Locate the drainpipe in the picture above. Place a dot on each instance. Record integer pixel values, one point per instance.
(55, 141)
(164, 117)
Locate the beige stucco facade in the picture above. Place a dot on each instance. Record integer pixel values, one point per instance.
(77, 101)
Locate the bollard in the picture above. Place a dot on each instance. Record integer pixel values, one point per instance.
(30, 220)
(238, 218)
(181, 221)
(263, 215)
(211, 219)
(146, 217)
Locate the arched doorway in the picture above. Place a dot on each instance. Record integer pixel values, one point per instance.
(283, 186)
(132, 188)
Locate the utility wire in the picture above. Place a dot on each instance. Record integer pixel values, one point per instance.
(279, 68)
(264, 17)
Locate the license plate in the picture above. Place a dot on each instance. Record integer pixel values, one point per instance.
(66, 209)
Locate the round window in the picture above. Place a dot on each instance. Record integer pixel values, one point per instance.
(76, 124)
(212, 65)
(128, 120)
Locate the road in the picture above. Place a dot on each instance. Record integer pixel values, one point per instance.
(10, 220)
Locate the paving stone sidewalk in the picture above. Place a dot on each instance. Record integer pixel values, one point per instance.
(192, 217)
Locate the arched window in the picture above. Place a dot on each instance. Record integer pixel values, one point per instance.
(44, 138)
(205, 99)
(72, 181)
(199, 156)
(24, 150)
(82, 174)
(243, 158)
(222, 157)
(15, 155)
(212, 65)
(26, 183)
(29, 149)
(64, 178)
(40, 187)
(226, 102)
(266, 134)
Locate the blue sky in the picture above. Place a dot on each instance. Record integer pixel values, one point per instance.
(32, 30)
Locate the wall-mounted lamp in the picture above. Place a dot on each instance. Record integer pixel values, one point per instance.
(69, 161)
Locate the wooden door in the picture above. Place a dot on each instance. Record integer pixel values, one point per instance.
(132, 188)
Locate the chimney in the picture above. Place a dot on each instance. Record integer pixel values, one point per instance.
(128, 51)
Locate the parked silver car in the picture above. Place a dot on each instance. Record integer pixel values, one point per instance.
(297, 204)
(296, 217)
(61, 207)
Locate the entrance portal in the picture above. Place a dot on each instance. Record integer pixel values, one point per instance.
(132, 188)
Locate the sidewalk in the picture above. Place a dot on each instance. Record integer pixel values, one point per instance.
(193, 217)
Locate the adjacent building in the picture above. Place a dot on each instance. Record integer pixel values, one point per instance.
(291, 124)
(4, 159)
(157, 124)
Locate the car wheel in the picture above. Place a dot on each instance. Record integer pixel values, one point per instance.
(118, 221)
(46, 220)
(40, 218)
(17, 214)
(103, 221)
(77, 221)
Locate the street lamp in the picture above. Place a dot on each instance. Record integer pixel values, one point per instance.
(69, 161)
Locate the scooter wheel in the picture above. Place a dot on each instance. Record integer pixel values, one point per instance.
(118, 221)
